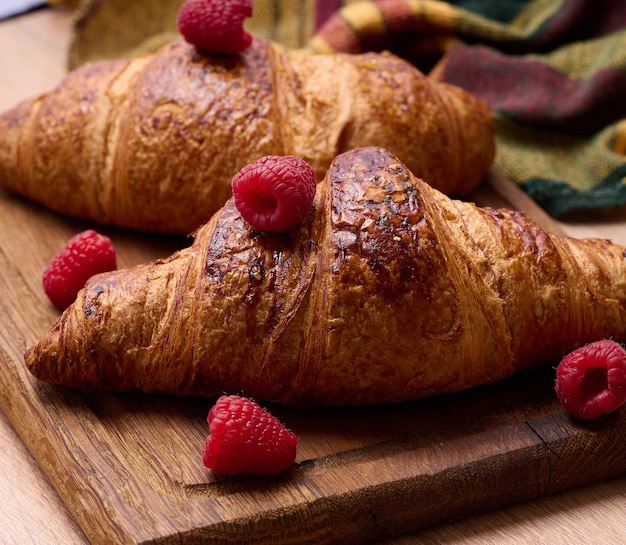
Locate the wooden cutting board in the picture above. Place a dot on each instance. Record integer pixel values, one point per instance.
(129, 466)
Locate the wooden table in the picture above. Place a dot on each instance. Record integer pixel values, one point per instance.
(32, 59)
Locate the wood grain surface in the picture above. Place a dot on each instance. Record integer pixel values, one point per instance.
(128, 467)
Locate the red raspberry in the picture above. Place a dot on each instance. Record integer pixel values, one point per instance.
(275, 192)
(246, 439)
(215, 26)
(84, 255)
(591, 380)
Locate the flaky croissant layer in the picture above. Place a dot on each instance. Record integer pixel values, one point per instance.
(152, 143)
(388, 291)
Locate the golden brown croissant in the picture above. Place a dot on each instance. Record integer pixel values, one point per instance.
(152, 143)
(388, 291)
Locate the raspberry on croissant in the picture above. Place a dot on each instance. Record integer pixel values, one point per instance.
(152, 143)
(388, 291)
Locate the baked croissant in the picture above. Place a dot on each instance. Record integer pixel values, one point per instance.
(387, 291)
(152, 143)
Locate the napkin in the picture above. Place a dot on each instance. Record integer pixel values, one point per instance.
(554, 71)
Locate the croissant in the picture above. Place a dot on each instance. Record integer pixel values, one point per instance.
(152, 143)
(387, 291)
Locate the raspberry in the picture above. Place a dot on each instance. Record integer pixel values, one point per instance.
(84, 255)
(275, 192)
(246, 439)
(215, 26)
(591, 380)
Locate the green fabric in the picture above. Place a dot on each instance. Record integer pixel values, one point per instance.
(553, 71)
(497, 10)
(121, 28)
(105, 29)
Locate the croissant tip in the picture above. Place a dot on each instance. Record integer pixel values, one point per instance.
(41, 358)
(32, 361)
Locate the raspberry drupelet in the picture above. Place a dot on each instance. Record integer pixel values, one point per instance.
(246, 439)
(84, 255)
(275, 192)
(215, 26)
(591, 380)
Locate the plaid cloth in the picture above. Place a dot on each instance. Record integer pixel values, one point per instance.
(554, 71)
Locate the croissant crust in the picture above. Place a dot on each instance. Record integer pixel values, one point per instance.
(388, 291)
(152, 143)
